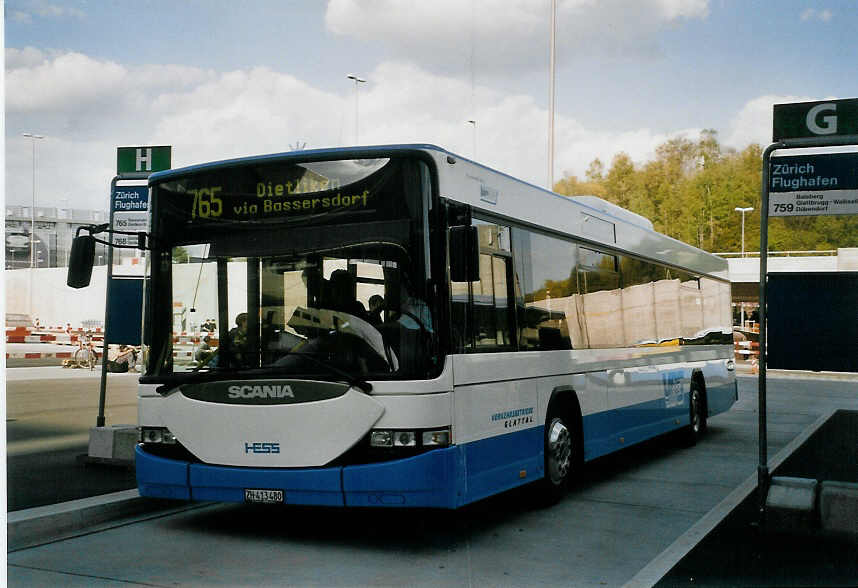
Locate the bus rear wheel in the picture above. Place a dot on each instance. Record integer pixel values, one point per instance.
(696, 414)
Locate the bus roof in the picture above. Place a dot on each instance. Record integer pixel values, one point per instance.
(632, 232)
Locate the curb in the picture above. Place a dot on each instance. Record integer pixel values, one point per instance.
(44, 524)
(656, 569)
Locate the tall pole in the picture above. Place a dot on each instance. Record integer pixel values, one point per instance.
(357, 80)
(474, 123)
(743, 211)
(551, 93)
(33, 138)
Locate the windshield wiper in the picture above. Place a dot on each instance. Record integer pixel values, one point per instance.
(348, 378)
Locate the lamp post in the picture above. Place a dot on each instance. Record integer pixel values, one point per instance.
(358, 81)
(33, 138)
(551, 93)
(743, 211)
(474, 123)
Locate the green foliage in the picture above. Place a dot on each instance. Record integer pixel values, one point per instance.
(690, 190)
(181, 255)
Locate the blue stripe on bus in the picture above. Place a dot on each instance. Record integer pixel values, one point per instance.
(500, 463)
(320, 487)
(443, 478)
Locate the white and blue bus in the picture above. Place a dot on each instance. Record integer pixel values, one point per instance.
(400, 326)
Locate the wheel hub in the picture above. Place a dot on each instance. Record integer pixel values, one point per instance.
(559, 451)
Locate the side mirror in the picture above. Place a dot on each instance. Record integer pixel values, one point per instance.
(81, 260)
(464, 254)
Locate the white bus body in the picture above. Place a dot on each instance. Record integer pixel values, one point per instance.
(522, 385)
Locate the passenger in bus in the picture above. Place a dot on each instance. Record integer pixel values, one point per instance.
(238, 337)
(376, 308)
(342, 295)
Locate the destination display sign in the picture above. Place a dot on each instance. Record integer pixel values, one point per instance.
(277, 192)
(814, 185)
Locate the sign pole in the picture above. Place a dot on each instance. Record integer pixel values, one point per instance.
(763, 467)
(800, 125)
(102, 390)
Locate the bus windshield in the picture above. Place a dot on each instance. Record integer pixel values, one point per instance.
(329, 293)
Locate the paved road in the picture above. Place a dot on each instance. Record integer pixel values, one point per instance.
(49, 411)
(626, 511)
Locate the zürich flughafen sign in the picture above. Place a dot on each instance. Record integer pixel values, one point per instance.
(811, 185)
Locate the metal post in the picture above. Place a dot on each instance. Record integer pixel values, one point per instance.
(551, 93)
(33, 138)
(102, 390)
(357, 80)
(763, 467)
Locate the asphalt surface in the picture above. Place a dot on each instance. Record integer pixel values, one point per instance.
(49, 411)
(622, 516)
(749, 550)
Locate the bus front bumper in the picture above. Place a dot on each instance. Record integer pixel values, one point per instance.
(426, 480)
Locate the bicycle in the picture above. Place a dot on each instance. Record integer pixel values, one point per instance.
(85, 355)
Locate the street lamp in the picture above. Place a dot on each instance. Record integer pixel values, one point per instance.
(743, 211)
(551, 92)
(357, 80)
(33, 138)
(473, 122)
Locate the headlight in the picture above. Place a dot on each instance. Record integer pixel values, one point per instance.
(405, 439)
(381, 439)
(418, 438)
(156, 435)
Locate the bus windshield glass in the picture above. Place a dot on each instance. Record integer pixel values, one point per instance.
(325, 278)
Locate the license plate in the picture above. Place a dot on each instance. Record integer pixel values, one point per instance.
(263, 496)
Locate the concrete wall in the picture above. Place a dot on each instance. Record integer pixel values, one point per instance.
(53, 302)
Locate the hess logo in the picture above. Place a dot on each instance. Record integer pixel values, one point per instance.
(261, 448)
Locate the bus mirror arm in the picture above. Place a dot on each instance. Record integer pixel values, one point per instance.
(82, 254)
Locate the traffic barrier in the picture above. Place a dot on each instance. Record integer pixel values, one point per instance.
(35, 355)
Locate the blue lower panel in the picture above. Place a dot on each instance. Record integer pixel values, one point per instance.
(319, 487)
(721, 398)
(603, 431)
(161, 478)
(427, 480)
(500, 463)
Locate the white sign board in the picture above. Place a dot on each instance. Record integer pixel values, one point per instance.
(814, 185)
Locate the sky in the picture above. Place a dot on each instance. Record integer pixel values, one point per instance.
(218, 79)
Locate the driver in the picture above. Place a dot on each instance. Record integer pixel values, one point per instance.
(342, 285)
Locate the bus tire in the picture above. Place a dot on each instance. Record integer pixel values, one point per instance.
(696, 414)
(561, 450)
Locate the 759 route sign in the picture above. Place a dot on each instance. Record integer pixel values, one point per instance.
(813, 185)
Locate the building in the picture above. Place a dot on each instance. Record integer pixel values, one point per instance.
(53, 233)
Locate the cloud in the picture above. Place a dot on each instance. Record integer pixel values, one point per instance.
(508, 35)
(753, 123)
(87, 107)
(25, 11)
(824, 15)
